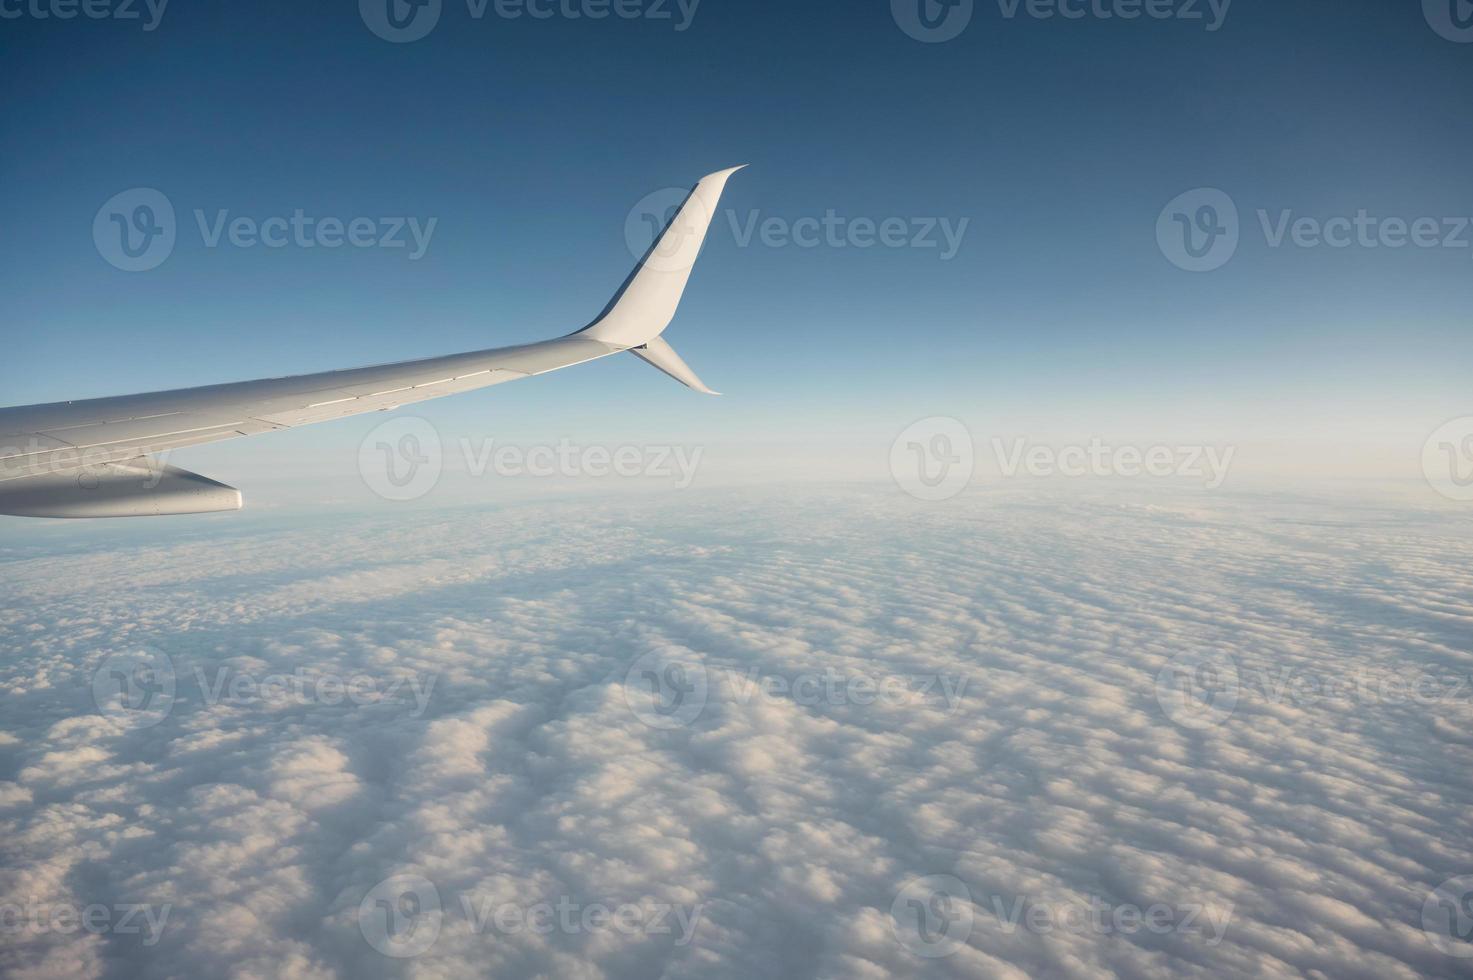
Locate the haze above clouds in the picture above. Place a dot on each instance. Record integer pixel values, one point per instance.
(752, 723)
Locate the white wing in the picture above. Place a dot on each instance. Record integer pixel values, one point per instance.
(92, 458)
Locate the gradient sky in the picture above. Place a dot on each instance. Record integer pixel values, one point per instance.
(1093, 751)
(529, 141)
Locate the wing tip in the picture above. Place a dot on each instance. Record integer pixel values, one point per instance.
(724, 175)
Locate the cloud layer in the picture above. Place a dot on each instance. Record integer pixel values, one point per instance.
(842, 735)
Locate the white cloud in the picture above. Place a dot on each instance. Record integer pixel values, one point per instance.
(888, 691)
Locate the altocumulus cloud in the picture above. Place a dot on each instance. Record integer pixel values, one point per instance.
(844, 734)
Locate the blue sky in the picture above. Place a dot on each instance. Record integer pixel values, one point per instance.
(1052, 740)
(528, 141)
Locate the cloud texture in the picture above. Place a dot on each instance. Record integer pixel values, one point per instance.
(736, 734)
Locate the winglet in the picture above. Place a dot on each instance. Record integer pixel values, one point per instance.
(659, 353)
(646, 303)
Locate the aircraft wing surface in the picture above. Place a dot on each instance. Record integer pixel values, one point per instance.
(100, 457)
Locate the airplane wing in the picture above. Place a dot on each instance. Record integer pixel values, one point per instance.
(97, 458)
